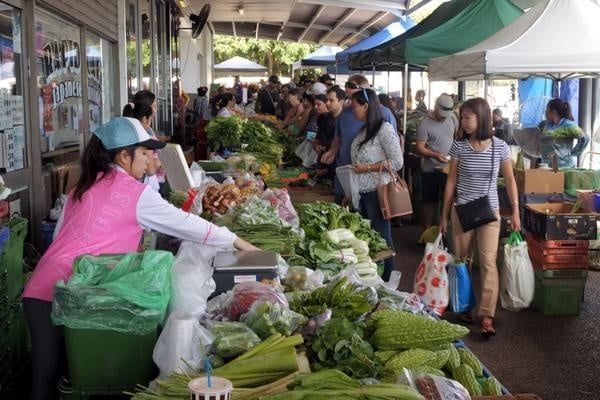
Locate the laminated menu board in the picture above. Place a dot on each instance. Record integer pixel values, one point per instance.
(178, 173)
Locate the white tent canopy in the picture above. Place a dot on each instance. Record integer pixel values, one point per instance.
(239, 65)
(555, 39)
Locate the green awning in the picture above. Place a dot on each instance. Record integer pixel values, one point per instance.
(390, 55)
(454, 26)
(477, 22)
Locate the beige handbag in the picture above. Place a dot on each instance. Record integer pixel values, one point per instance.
(394, 197)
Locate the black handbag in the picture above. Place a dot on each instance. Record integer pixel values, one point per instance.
(477, 212)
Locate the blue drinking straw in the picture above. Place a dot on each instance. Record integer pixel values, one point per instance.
(208, 369)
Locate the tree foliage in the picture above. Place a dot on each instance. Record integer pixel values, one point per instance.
(277, 56)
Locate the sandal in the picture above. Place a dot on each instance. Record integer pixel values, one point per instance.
(487, 329)
(466, 317)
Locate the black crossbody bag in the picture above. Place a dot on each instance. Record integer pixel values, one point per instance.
(478, 212)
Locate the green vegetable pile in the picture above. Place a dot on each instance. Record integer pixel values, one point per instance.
(564, 132)
(267, 319)
(259, 223)
(334, 385)
(345, 299)
(224, 132)
(316, 219)
(261, 143)
(232, 338)
(340, 344)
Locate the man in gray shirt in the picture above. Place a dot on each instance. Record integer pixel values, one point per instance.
(435, 135)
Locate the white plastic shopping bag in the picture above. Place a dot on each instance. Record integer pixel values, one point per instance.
(431, 278)
(306, 153)
(347, 178)
(182, 345)
(192, 279)
(517, 279)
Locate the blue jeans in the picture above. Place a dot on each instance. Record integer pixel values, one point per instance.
(369, 209)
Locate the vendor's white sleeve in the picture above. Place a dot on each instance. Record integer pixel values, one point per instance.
(156, 213)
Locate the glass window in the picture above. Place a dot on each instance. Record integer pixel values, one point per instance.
(58, 53)
(132, 60)
(12, 106)
(146, 43)
(162, 76)
(101, 96)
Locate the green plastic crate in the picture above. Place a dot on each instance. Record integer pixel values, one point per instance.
(559, 292)
(100, 360)
(12, 257)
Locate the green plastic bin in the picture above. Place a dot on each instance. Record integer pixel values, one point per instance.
(100, 360)
(12, 257)
(559, 292)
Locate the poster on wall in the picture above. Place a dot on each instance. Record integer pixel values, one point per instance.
(59, 71)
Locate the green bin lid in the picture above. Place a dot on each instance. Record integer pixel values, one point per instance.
(562, 273)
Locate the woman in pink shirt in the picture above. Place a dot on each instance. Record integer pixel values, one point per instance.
(105, 213)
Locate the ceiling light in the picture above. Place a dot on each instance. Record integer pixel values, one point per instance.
(241, 9)
(182, 3)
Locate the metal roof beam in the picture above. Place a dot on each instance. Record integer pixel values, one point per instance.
(233, 27)
(416, 6)
(394, 7)
(338, 24)
(320, 10)
(366, 26)
(257, 26)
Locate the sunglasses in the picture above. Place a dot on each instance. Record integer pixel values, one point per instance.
(351, 85)
(445, 108)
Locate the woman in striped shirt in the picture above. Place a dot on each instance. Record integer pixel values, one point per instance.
(473, 174)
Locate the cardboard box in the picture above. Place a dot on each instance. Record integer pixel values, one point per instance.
(555, 221)
(539, 181)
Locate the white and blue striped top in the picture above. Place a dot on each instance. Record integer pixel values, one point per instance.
(474, 168)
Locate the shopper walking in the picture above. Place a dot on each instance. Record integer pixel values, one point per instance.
(476, 159)
(104, 214)
(376, 143)
(435, 135)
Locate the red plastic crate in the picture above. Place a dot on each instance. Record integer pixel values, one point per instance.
(557, 244)
(558, 254)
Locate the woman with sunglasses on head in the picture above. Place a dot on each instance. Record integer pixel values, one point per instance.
(143, 108)
(376, 143)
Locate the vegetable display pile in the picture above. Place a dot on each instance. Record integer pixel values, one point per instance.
(260, 224)
(218, 198)
(336, 238)
(224, 132)
(564, 132)
(260, 141)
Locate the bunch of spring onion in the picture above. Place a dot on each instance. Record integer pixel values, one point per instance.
(273, 359)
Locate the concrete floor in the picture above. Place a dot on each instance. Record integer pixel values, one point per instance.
(556, 357)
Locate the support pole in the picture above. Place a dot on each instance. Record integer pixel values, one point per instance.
(405, 106)
(373, 75)
(388, 82)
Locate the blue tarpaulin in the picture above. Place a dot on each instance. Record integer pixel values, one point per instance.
(321, 57)
(391, 31)
(534, 94)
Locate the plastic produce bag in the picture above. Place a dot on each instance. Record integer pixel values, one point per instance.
(431, 278)
(517, 280)
(280, 198)
(240, 299)
(462, 296)
(231, 338)
(347, 178)
(306, 153)
(433, 387)
(267, 319)
(192, 280)
(127, 293)
(182, 346)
